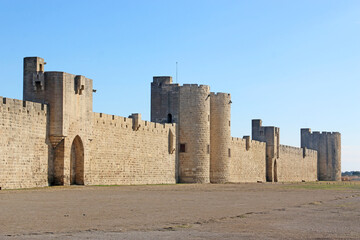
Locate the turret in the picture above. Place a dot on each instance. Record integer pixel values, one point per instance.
(194, 139)
(189, 107)
(34, 80)
(328, 146)
(220, 137)
(164, 100)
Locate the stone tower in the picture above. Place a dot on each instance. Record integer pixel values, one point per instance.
(270, 135)
(194, 134)
(69, 98)
(220, 137)
(34, 80)
(164, 100)
(328, 146)
(189, 107)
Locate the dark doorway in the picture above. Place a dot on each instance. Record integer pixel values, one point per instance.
(169, 118)
(275, 172)
(77, 162)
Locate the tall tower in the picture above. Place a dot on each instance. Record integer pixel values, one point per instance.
(194, 137)
(189, 107)
(69, 98)
(271, 136)
(164, 100)
(328, 146)
(34, 80)
(220, 137)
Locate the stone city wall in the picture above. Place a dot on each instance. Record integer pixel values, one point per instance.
(247, 161)
(295, 165)
(24, 149)
(124, 153)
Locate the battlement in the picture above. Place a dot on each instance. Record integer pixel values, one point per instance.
(56, 72)
(242, 142)
(195, 86)
(65, 74)
(308, 131)
(297, 151)
(127, 123)
(160, 80)
(20, 105)
(220, 95)
(167, 80)
(237, 139)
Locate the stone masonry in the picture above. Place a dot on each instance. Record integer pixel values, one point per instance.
(53, 137)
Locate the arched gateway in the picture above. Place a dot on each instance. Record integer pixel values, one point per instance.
(77, 162)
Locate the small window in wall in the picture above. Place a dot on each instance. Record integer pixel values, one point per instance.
(229, 152)
(171, 142)
(182, 147)
(169, 118)
(38, 85)
(41, 68)
(208, 149)
(229, 123)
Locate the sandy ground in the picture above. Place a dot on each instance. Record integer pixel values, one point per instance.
(208, 211)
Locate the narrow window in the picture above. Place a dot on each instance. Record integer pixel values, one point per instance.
(229, 152)
(229, 123)
(208, 149)
(169, 118)
(182, 147)
(38, 85)
(41, 68)
(171, 142)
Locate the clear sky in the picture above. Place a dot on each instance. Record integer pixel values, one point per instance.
(294, 64)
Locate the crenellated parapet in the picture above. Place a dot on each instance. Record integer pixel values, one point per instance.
(304, 152)
(128, 123)
(20, 106)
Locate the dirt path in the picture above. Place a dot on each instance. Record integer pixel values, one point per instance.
(230, 211)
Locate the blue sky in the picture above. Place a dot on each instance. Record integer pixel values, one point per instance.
(293, 64)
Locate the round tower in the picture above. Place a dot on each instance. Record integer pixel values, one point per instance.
(329, 156)
(194, 134)
(334, 149)
(220, 137)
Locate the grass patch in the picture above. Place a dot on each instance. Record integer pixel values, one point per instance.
(184, 226)
(325, 186)
(132, 185)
